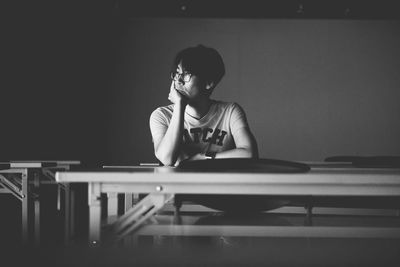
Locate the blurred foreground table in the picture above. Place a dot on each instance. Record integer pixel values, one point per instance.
(162, 183)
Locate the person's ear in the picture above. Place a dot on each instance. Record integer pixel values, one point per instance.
(210, 85)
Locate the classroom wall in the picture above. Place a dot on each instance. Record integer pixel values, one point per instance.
(83, 87)
(56, 64)
(310, 88)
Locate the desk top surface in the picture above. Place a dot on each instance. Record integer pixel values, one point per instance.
(322, 179)
(325, 173)
(37, 163)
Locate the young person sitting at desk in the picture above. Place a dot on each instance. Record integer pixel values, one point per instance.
(194, 126)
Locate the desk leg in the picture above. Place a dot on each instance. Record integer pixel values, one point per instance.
(36, 203)
(94, 199)
(129, 240)
(308, 218)
(68, 220)
(25, 207)
(71, 213)
(128, 201)
(58, 198)
(112, 205)
(309, 206)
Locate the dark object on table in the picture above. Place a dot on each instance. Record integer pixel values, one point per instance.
(245, 165)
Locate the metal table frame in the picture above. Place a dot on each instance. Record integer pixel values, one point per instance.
(33, 175)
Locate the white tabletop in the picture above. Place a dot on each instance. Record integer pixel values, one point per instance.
(38, 163)
(319, 181)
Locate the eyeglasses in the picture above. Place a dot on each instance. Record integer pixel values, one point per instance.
(186, 76)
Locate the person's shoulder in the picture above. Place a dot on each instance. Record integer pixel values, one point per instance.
(226, 105)
(164, 111)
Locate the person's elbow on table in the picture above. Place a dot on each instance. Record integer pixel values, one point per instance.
(166, 161)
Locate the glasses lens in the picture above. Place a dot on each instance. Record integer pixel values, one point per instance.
(186, 77)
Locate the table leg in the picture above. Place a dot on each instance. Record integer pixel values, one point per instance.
(67, 213)
(59, 197)
(25, 207)
(308, 207)
(94, 199)
(36, 203)
(112, 204)
(71, 211)
(129, 199)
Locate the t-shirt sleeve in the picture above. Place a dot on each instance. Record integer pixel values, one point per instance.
(158, 124)
(238, 118)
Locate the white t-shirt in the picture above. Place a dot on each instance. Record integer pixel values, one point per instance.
(213, 132)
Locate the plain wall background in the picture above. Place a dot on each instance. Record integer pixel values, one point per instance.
(84, 88)
(310, 88)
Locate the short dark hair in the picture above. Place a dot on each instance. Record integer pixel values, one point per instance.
(202, 61)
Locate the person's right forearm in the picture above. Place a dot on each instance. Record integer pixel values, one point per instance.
(169, 148)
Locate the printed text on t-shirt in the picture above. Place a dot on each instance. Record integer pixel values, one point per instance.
(206, 135)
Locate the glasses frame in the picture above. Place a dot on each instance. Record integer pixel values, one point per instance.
(184, 76)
